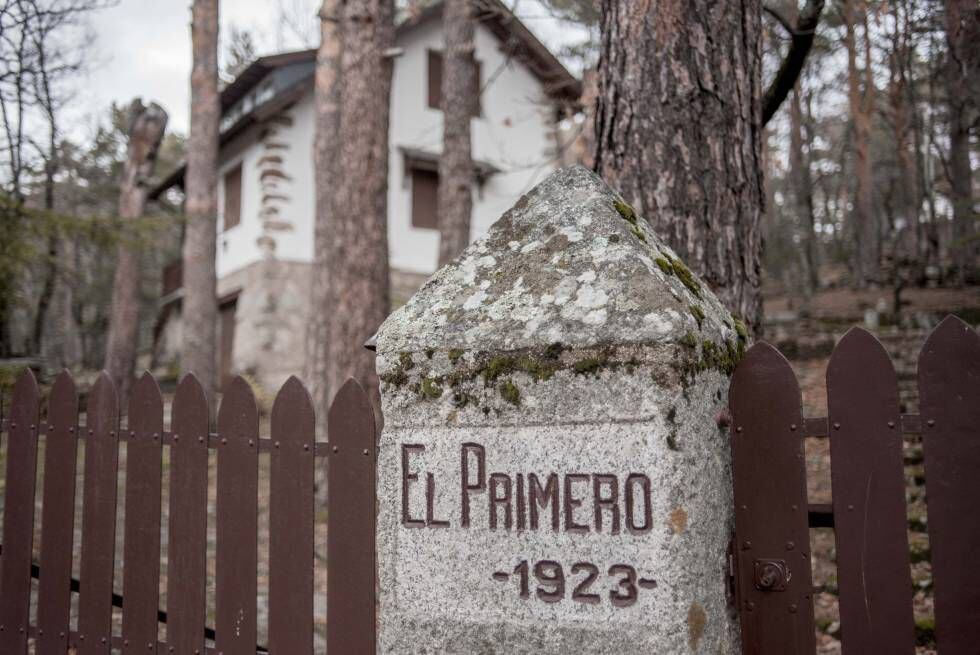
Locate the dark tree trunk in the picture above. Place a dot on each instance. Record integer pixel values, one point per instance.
(962, 71)
(200, 312)
(459, 98)
(326, 159)
(799, 163)
(146, 128)
(678, 132)
(861, 102)
(358, 236)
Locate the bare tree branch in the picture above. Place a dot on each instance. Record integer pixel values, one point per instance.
(789, 71)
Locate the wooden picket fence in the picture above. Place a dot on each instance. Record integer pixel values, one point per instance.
(292, 449)
(868, 513)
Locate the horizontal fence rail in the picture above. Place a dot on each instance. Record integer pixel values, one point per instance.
(868, 512)
(182, 453)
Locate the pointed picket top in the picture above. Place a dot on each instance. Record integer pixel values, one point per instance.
(857, 347)
(292, 412)
(238, 411)
(63, 402)
(25, 386)
(102, 395)
(145, 403)
(189, 395)
(351, 417)
(953, 338)
(762, 361)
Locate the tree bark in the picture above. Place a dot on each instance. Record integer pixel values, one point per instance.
(678, 131)
(326, 159)
(459, 94)
(962, 36)
(200, 312)
(357, 258)
(146, 128)
(861, 103)
(799, 164)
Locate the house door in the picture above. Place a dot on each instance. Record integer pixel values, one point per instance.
(226, 339)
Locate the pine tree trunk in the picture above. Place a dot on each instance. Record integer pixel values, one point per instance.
(459, 99)
(799, 164)
(146, 128)
(326, 160)
(678, 132)
(962, 34)
(861, 103)
(199, 313)
(357, 259)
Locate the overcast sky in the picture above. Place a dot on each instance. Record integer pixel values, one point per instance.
(142, 48)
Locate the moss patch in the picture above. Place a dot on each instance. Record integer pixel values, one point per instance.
(624, 209)
(509, 392)
(430, 389)
(454, 355)
(684, 274)
(664, 265)
(697, 313)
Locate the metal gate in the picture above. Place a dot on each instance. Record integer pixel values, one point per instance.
(868, 513)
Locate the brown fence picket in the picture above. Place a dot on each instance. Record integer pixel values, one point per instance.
(949, 398)
(291, 521)
(187, 538)
(141, 543)
(868, 482)
(58, 517)
(351, 567)
(237, 521)
(18, 515)
(98, 518)
(773, 545)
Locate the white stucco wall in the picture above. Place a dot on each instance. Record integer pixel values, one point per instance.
(514, 134)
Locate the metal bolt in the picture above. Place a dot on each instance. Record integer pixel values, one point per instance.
(61, 634)
(837, 426)
(125, 642)
(891, 424)
(103, 640)
(749, 605)
(794, 507)
(336, 449)
(306, 446)
(40, 632)
(200, 440)
(746, 545)
(90, 432)
(223, 441)
(792, 426)
(790, 545)
(50, 428)
(850, 508)
(367, 452)
(745, 506)
(738, 429)
(112, 433)
(71, 429)
(251, 442)
(132, 433)
(149, 645)
(792, 609)
(277, 444)
(931, 422)
(176, 438)
(20, 630)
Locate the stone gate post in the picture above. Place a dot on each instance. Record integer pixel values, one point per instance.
(552, 476)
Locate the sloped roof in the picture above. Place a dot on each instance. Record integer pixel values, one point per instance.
(559, 84)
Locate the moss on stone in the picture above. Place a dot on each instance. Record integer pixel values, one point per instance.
(509, 392)
(505, 364)
(684, 274)
(689, 340)
(454, 355)
(627, 212)
(430, 389)
(638, 233)
(405, 361)
(740, 329)
(925, 632)
(665, 265)
(590, 365)
(398, 374)
(697, 313)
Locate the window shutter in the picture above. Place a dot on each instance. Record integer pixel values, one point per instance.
(233, 197)
(425, 199)
(435, 79)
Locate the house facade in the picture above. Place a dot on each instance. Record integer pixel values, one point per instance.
(266, 195)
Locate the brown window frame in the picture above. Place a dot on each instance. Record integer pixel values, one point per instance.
(425, 198)
(232, 214)
(433, 73)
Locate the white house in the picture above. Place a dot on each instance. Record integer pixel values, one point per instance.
(266, 192)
